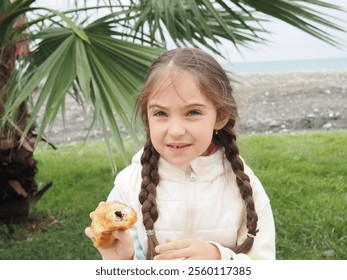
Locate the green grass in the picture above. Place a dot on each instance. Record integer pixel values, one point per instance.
(304, 175)
(305, 178)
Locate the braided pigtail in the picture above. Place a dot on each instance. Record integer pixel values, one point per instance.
(227, 138)
(148, 193)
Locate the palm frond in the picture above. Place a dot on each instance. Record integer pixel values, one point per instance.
(108, 71)
(192, 22)
(307, 15)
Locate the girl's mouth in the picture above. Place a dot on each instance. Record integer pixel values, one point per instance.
(178, 147)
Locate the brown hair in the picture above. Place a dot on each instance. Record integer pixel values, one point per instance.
(214, 82)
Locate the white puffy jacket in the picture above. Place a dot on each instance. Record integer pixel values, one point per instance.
(201, 201)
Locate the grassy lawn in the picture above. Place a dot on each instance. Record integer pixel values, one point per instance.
(304, 175)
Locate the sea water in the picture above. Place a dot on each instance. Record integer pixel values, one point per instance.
(328, 64)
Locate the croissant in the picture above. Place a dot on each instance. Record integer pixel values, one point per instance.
(109, 216)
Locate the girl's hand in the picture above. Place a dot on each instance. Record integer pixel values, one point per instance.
(121, 249)
(190, 249)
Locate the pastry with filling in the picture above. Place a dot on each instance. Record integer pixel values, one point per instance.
(109, 216)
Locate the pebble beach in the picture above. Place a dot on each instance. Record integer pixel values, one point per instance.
(285, 102)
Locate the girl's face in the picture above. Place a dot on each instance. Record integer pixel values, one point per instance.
(181, 120)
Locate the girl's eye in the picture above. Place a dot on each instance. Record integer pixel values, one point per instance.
(159, 114)
(194, 113)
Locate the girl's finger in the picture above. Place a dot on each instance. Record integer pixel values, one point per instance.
(120, 234)
(172, 245)
(91, 215)
(173, 255)
(88, 231)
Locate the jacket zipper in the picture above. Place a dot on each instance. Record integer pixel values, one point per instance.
(192, 175)
(190, 200)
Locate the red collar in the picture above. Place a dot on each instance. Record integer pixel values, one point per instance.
(212, 149)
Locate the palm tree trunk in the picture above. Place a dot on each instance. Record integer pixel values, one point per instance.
(17, 177)
(17, 164)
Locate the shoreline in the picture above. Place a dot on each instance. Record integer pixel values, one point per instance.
(288, 73)
(288, 65)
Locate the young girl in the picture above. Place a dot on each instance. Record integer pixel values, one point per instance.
(194, 195)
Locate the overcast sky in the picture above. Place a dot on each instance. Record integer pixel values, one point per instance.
(289, 43)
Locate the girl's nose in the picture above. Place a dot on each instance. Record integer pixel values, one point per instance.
(176, 128)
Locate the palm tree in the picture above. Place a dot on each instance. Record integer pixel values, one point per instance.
(102, 60)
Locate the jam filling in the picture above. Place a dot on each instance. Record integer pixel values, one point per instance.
(119, 214)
